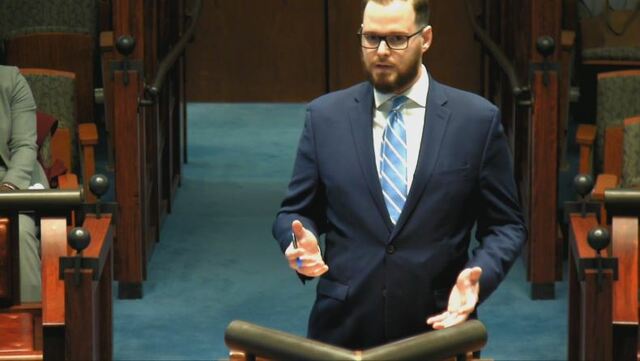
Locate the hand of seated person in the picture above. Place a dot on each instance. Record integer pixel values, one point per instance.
(306, 259)
(462, 300)
(7, 187)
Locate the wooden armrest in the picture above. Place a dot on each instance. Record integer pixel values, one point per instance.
(586, 134)
(88, 138)
(88, 134)
(613, 149)
(61, 146)
(101, 236)
(54, 246)
(567, 39)
(585, 137)
(68, 181)
(106, 40)
(603, 182)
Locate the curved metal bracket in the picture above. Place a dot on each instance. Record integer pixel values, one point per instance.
(521, 92)
(152, 90)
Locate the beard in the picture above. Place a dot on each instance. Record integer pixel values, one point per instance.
(395, 78)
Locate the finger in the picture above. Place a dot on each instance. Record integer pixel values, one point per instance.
(294, 253)
(463, 277)
(474, 274)
(452, 320)
(313, 271)
(298, 230)
(467, 308)
(322, 269)
(308, 264)
(437, 318)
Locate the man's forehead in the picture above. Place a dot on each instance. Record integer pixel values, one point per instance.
(395, 15)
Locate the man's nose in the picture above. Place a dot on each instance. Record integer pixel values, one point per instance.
(383, 48)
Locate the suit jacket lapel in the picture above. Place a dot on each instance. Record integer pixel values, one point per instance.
(436, 117)
(361, 118)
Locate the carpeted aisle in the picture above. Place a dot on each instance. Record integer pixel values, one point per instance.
(216, 260)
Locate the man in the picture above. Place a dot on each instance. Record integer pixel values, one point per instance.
(19, 169)
(395, 172)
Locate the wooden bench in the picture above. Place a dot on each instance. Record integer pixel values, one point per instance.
(74, 320)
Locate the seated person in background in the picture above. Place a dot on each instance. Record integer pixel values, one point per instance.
(19, 169)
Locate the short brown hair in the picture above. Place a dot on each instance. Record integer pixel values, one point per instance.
(420, 7)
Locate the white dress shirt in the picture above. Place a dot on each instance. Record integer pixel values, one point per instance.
(413, 114)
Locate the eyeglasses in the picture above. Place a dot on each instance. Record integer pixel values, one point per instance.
(395, 42)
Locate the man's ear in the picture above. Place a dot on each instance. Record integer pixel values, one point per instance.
(427, 37)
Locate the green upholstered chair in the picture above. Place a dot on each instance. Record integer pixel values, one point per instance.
(610, 149)
(73, 143)
(54, 92)
(618, 98)
(631, 153)
(24, 17)
(54, 34)
(612, 54)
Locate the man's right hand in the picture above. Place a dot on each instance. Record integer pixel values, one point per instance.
(306, 259)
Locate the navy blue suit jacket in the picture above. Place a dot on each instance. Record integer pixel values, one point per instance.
(384, 281)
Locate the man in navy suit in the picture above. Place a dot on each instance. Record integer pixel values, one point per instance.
(395, 172)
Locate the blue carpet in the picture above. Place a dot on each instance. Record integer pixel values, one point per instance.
(216, 260)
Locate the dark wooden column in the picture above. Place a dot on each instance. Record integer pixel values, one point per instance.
(543, 143)
(130, 174)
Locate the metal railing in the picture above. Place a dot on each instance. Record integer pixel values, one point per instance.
(152, 90)
(254, 341)
(520, 91)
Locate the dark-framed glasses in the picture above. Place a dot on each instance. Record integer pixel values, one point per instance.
(395, 42)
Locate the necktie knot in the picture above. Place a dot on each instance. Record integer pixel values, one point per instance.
(398, 102)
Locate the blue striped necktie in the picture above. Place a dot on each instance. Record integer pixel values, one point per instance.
(393, 163)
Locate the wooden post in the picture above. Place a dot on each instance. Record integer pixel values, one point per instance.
(543, 152)
(596, 336)
(80, 305)
(129, 193)
(625, 289)
(544, 184)
(130, 258)
(88, 305)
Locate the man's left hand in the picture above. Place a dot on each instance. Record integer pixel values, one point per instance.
(462, 300)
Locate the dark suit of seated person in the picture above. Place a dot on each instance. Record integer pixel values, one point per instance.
(19, 169)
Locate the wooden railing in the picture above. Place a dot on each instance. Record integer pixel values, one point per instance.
(149, 142)
(603, 286)
(529, 102)
(74, 320)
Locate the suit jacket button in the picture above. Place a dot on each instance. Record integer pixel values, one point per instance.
(391, 248)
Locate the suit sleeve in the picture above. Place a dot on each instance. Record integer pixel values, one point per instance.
(22, 141)
(304, 200)
(500, 228)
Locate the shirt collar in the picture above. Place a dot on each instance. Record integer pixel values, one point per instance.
(417, 93)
